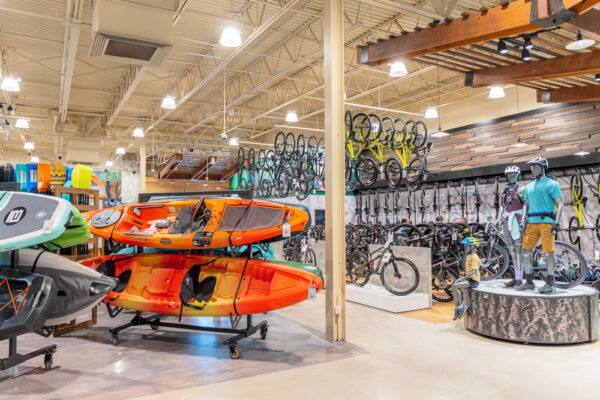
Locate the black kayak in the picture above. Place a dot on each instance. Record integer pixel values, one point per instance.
(25, 301)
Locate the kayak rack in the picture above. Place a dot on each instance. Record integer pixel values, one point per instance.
(14, 357)
(155, 322)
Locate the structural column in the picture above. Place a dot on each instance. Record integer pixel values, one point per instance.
(143, 167)
(335, 225)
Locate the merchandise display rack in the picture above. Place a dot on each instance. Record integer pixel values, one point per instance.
(154, 321)
(14, 357)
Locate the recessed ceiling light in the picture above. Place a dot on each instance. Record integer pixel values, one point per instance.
(580, 43)
(35, 159)
(168, 102)
(29, 146)
(398, 69)
(120, 150)
(231, 37)
(22, 123)
(431, 113)
(10, 84)
(291, 116)
(138, 132)
(496, 92)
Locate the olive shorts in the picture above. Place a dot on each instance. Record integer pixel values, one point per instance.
(533, 232)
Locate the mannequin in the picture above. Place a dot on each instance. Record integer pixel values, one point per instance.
(511, 214)
(542, 197)
(470, 280)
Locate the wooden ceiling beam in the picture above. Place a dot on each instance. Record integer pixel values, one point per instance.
(507, 19)
(170, 167)
(568, 95)
(587, 23)
(576, 64)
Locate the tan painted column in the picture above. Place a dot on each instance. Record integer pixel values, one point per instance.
(143, 167)
(335, 229)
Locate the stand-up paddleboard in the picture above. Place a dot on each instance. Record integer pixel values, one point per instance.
(81, 177)
(21, 176)
(7, 173)
(32, 177)
(203, 285)
(25, 299)
(28, 219)
(194, 224)
(77, 232)
(78, 289)
(58, 174)
(43, 177)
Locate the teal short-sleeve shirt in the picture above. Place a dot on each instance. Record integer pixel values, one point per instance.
(540, 195)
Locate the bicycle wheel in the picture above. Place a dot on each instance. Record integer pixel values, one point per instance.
(290, 144)
(442, 279)
(300, 145)
(289, 254)
(376, 127)
(419, 133)
(574, 230)
(360, 268)
(282, 188)
(415, 170)
(279, 143)
(571, 267)
(400, 276)
(393, 173)
(310, 257)
(576, 187)
(493, 261)
(241, 156)
(598, 226)
(262, 158)
(264, 189)
(366, 171)
(270, 159)
(312, 146)
(251, 157)
(406, 235)
(361, 128)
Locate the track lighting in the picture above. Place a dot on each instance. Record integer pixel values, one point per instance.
(120, 150)
(29, 146)
(168, 102)
(291, 116)
(398, 69)
(580, 43)
(496, 92)
(11, 84)
(502, 49)
(528, 44)
(431, 113)
(231, 37)
(525, 56)
(138, 132)
(597, 77)
(22, 123)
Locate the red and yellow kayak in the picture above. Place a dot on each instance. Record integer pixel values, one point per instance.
(194, 224)
(204, 285)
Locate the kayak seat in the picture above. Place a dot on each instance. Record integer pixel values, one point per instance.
(108, 268)
(162, 223)
(205, 289)
(183, 221)
(123, 281)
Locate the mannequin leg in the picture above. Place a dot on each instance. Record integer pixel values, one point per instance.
(513, 257)
(548, 288)
(518, 266)
(528, 264)
(459, 306)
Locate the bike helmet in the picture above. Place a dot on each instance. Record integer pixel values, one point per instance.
(539, 161)
(512, 169)
(472, 241)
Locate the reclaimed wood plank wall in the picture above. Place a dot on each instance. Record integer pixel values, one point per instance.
(548, 132)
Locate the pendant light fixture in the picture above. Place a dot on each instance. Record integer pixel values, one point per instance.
(582, 152)
(29, 146)
(108, 163)
(22, 123)
(496, 92)
(440, 133)
(138, 132)
(431, 113)
(120, 151)
(234, 141)
(518, 144)
(398, 69)
(35, 159)
(231, 37)
(168, 102)
(580, 43)
(291, 116)
(11, 84)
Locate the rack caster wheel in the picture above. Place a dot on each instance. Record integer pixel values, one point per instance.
(263, 332)
(154, 326)
(115, 340)
(234, 353)
(48, 361)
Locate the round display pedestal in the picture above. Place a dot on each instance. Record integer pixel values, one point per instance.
(567, 316)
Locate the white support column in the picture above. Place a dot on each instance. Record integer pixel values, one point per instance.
(143, 167)
(335, 230)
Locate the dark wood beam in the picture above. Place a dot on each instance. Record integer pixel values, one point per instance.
(569, 95)
(170, 167)
(576, 64)
(504, 20)
(587, 23)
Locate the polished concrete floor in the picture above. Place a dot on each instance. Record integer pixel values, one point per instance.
(388, 356)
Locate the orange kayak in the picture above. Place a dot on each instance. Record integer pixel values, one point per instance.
(204, 285)
(197, 224)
